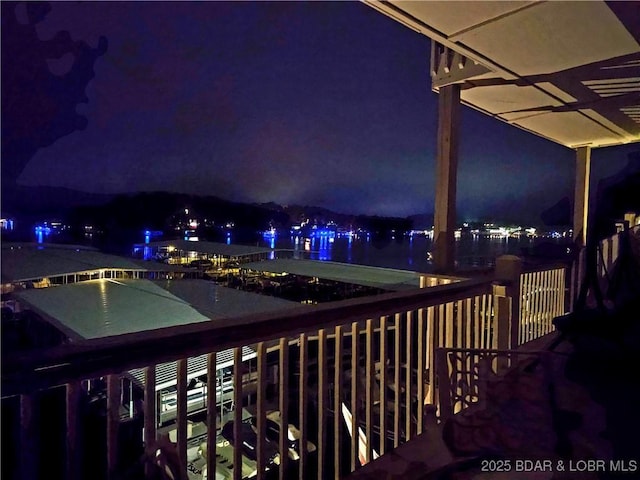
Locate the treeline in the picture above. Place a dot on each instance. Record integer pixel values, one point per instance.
(160, 211)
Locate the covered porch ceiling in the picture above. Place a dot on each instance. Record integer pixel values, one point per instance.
(567, 71)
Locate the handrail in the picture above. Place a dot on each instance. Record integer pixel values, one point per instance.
(543, 267)
(25, 373)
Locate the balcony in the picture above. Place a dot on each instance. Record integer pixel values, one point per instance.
(393, 384)
(372, 361)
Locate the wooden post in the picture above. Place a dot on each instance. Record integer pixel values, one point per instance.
(446, 175)
(355, 398)
(212, 399)
(237, 415)
(408, 389)
(181, 412)
(369, 383)
(383, 384)
(396, 380)
(323, 402)
(338, 378)
(302, 386)
(283, 406)
(507, 300)
(581, 195)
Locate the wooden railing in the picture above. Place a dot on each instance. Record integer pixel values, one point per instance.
(542, 298)
(527, 301)
(372, 357)
(607, 255)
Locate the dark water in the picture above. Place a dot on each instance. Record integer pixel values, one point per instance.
(403, 252)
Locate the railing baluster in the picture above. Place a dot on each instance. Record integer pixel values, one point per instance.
(442, 325)
(302, 386)
(524, 309)
(477, 305)
(561, 292)
(383, 383)
(368, 378)
(532, 314)
(458, 327)
(182, 412)
(547, 285)
(150, 406)
(450, 325)
(555, 287)
(525, 317)
(559, 308)
(544, 294)
(469, 337)
(420, 374)
(396, 381)
(552, 281)
(408, 390)
(558, 288)
(261, 409)
(283, 406)
(74, 440)
(355, 360)
(539, 286)
(486, 322)
(237, 414)
(322, 401)
(212, 424)
(493, 324)
(430, 353)
(338, 378)
(113, 422)
(535, 317)
(546, 288)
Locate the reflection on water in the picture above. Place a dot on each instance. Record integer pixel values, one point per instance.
(408, 253)
(411, 252)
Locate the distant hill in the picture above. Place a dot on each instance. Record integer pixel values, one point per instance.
(558, 214)
(422, 221)
(156, 210)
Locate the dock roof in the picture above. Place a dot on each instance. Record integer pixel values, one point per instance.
(108, 307)
(384, 278)
(216, 302)
(22, 262)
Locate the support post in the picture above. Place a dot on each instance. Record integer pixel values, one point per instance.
(506, 291)
(581, 195)
(446, 176)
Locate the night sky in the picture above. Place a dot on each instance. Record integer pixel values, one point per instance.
(324, 103)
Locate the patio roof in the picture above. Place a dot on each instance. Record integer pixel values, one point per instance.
(566, 71)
